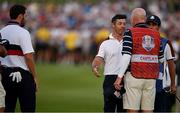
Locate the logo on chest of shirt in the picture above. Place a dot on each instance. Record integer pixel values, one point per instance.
(148, 43)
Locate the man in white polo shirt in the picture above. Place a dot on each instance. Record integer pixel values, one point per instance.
(19, 77)
(110, 55)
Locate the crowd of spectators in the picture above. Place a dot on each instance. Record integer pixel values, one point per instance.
(71, 32)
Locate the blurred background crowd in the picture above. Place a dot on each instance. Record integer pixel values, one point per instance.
(71, 31)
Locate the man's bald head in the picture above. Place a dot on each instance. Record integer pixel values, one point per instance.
(138, 15)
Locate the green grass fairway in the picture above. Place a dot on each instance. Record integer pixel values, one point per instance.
(68, 88)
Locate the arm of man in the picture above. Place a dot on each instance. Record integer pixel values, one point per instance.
(3, 51)
(169, 52)
(127, 52)
(28, 51)
(172, 73)
(97, 62)
(99, 59)
(31, 65)
(124, 65)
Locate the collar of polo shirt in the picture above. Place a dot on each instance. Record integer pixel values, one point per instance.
(111, 37)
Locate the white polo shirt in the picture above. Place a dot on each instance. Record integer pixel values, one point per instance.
(110, 51)
(19, 37)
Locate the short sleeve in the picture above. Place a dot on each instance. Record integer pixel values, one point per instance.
(26, 43)
(101, 52)
(169, 52)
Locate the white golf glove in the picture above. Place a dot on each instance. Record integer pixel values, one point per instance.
(16, 76)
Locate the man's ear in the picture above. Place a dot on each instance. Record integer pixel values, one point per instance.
(20, 16)
(113, 24)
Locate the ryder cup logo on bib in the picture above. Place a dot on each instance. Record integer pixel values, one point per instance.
(148, 43)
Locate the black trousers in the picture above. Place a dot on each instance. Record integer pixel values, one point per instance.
(24, 90)
(111, 102)
(163, 102)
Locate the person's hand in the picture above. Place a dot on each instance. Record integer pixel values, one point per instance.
(95, 71)
(37, 84)
(16, 76)
(117, 83)
(173, 89)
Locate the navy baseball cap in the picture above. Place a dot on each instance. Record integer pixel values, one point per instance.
(155, 19)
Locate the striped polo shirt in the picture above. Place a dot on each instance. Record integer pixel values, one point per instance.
(20, 44)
